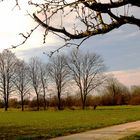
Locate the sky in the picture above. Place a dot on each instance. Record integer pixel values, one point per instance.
(119, 48)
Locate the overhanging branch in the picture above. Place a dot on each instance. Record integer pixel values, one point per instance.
(84, 34)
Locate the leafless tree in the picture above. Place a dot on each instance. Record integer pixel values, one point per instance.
(87, 72)
(34, 75)
(59, 73)
(135, 89)
(22, 81)
(117, 90)
(81, 19)
(44, 81)
(7, 70)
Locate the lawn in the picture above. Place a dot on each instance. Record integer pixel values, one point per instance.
(16, 125)
(132, 137)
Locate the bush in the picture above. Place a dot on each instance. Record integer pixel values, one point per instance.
(135, 100)
(13, 103)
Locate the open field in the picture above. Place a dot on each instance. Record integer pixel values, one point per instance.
(46, 124)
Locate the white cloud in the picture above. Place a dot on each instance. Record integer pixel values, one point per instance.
(14, 22)
(128, 77)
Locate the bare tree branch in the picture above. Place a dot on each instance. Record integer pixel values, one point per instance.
(87, 18)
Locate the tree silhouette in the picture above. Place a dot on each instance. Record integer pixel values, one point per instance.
(8, 62)
(87, 72)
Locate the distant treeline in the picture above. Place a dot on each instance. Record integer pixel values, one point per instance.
(63, 81)
(126, 97)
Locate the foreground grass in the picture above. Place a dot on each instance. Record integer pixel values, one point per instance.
(132, 137)
(15, 125)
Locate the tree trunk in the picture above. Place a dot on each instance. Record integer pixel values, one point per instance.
(83, 105)
(6, 105)
(5, 101)
(44, 98)
(59, 101)
(45, 103)
(84, 102)
(6, 108)
(37, 102)
(22, 103)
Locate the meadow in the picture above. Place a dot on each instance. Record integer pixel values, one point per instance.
(17, 125)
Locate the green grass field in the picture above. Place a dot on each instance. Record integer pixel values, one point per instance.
(15, 125)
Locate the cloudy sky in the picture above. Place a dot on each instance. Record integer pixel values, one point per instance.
(120, 48)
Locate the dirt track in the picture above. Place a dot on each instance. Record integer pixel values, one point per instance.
(108, 133)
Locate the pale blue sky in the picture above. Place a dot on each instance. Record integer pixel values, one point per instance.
(119, 48)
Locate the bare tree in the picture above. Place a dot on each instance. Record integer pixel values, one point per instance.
(22, 81)
(44, 80)
(87, 73)
(81, 19)
(117, 90)
(59, 73)
(34, 75)
(7, 70)
(135, 89)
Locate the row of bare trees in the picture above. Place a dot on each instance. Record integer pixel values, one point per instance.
(114, 93)
(83, 71)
